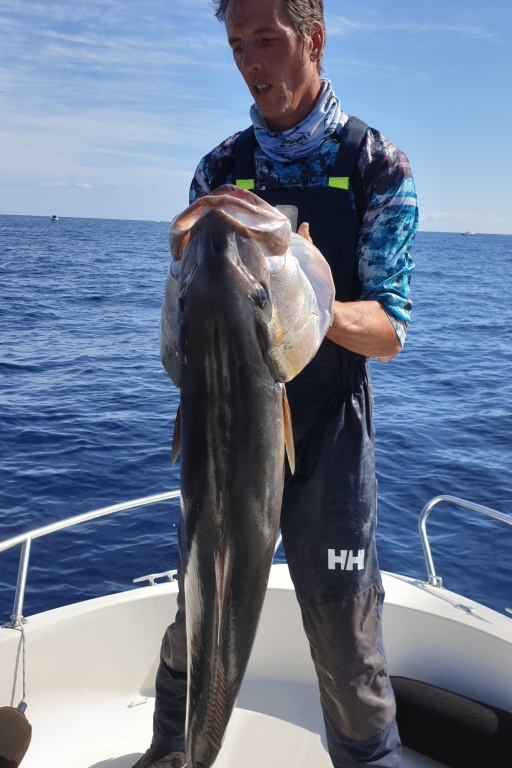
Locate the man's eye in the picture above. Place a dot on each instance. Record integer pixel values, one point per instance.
(268, 40)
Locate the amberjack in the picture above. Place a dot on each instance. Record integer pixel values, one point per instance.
(247, 304)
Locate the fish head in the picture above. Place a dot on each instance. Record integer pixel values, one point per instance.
(231, 259)
(224, 261)
(243, 211)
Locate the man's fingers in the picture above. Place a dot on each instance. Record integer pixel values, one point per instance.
(304, 231)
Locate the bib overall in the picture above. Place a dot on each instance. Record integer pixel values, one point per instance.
(329, 510)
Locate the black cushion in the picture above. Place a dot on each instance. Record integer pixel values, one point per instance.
(452, 729)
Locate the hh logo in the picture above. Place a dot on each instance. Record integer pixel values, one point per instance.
(346, 559)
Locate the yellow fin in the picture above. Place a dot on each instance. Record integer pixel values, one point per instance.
(176, 438)
(288, 432)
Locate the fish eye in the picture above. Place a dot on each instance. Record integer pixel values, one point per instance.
(261, 296)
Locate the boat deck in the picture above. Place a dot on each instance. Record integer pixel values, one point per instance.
(90, 671)
(113, 734)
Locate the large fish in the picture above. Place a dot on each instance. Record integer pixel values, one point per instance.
(247, 305)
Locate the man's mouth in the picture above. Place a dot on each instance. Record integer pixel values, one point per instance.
(261, 88)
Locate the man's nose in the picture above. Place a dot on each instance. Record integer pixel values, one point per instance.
(251, 60)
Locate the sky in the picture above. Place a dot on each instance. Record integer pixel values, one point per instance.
(107, 106)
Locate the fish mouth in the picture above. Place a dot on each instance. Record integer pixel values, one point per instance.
(242, 211)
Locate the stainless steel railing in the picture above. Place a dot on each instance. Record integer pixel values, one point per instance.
(26, 539)
(433, 579)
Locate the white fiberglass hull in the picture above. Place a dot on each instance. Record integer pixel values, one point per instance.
(90, 670)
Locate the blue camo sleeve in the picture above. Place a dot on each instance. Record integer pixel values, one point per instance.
(388, 229)
(218, 161)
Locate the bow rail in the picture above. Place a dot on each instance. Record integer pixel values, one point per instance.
(25, 539)
(433, 579)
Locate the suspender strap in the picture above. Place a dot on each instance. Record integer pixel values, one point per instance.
(244, 159)
(350, 137)
(345, 171)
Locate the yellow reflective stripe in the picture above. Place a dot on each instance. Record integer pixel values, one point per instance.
(245, 183)
(340, 182)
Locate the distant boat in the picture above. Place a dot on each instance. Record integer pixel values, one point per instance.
(467, 232)
(55, 218)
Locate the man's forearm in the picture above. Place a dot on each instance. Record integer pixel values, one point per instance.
(364, 328)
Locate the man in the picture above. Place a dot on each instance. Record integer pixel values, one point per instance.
(355, 198)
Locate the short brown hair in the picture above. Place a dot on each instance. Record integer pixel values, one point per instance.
(301, 14)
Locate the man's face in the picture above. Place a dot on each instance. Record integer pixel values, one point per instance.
(279, 68)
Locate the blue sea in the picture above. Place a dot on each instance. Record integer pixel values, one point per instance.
(87, 412)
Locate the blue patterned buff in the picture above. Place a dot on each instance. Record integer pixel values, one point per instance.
(390, 222)
(303, 138)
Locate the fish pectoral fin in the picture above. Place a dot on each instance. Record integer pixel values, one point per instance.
(288, 432)
(176, 438)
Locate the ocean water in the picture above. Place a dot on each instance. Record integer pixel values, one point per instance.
(87, 412)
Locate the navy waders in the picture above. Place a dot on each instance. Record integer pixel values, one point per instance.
(329, 510)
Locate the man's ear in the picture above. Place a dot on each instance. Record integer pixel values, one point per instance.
(317, 41)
